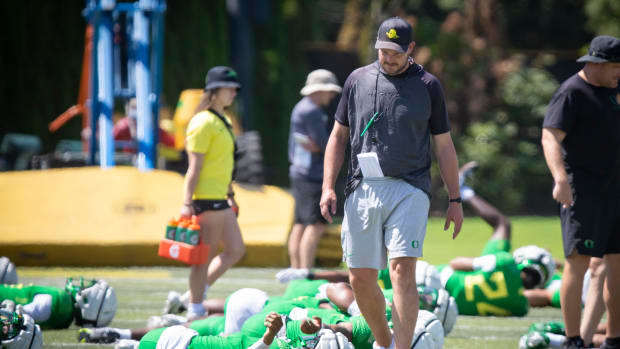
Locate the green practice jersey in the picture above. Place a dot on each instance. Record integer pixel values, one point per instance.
(553, 286)
(496, 245)
(328, 316)
(284, 306)
(489, 291)
(213, 325)
(234, 341)
(62, 304)
(362, 336)
(383, 279)
(303, 287)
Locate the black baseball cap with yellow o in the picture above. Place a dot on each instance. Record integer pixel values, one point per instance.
(221, 76)
(394, 34)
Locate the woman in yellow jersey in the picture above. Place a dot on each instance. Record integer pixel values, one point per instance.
(207, 191)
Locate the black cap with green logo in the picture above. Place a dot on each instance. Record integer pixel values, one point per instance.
(221, 76)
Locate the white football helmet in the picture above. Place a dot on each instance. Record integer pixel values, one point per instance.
(427, 275)
(537, 259)
(97, 305)
(428, 333)
(8, 274)
(329, 339)
(446, 311)
(22, 332)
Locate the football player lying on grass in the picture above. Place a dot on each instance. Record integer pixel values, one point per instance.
(239, 306)
(495, 283)
(246, 308)
(18, 331)
(307, 334)
(283, 332)
(91, 303)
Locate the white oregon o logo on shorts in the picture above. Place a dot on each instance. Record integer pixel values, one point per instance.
(174, 251)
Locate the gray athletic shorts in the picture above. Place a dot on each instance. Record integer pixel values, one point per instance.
(383, 217)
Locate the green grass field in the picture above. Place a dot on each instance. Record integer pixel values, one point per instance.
(141, 292)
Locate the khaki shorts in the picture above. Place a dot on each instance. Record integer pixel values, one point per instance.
(384, 218)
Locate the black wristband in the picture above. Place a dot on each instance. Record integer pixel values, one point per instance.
(230, 195)
(457, 200)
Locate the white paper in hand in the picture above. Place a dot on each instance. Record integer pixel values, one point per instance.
(369, 164)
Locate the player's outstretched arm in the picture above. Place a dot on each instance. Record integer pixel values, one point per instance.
(273, 322)
(462, 263)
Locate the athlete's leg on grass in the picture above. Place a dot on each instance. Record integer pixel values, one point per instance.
(309, 243)
(371, 303)
(294, 240)
(611, 292)
(570, 294)
(405, 301)
(594, 307)
(232, 244)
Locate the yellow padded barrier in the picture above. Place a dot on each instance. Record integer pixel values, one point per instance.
(93, 217)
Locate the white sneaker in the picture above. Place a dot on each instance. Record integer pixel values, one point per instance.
(127, 344)
(192, 315)
(98, 335)
(290, 274)
(282, 273)
(174, 304)
(166, 320)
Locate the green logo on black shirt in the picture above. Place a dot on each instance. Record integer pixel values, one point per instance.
(588, 243)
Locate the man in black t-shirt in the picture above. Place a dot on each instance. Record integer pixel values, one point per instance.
(581, 142)
(388, 113)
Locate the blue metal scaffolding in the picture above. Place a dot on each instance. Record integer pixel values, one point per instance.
(126, 62)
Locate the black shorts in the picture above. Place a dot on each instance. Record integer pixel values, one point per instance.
(307, 195)
(592, 224)
(209, 205)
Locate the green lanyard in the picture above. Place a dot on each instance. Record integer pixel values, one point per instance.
(369, 123)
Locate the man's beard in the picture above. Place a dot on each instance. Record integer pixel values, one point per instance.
(395, 71)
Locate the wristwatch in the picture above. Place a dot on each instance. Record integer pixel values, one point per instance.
(457, 200)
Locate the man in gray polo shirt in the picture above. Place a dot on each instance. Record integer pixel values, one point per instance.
(387, 113)
(307, 140)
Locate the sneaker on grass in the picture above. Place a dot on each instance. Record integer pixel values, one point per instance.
(98, 335)
(174, 304)
(534, 340)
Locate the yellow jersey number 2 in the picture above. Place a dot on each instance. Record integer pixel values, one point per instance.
(499, 291)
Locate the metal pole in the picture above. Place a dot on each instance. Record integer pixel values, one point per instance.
(92, 101)
(145, 127)
(158, 58)
(105, 85)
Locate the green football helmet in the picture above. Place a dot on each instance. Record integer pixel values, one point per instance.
(439, 302)
(536, 259)
(95, 301)
(18, 331)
